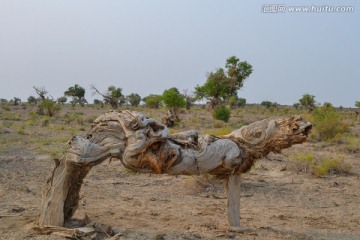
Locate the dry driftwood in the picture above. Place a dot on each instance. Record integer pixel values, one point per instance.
(145, 145)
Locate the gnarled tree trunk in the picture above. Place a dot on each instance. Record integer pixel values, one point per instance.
(145, 145)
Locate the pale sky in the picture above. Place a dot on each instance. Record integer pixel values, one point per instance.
(147, 46)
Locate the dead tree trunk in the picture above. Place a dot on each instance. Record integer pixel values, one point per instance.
(61, 195)
(143, 144)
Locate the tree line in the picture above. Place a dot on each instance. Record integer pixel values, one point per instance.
(220, 91)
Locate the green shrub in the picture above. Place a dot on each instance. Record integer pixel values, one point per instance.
(320, 165)
(221, 113)
(48, 107)
(327, 123)
(331, 166)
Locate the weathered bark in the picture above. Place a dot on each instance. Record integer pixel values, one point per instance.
(232, 188)
(145, 145)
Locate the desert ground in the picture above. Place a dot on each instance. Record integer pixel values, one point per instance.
(282, 197)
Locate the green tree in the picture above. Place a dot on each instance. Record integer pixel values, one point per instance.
(308, 102)
(77, 93)
(134, 99)
(32, 100)
(152, 101)
(62, 100)
(224, 83)
(266, 104)
(297, 106)
(173, 100)
(235, 102)
(113, 96)
(357, 104)
(16, 101)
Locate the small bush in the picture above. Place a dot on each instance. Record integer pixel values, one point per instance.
(46, 121)
(218, 124)
(352, 143)
(220, 131)
(21, 130)
(331, 166)
(221, 113)
(327, 123)
(304, 162)
(320, 166)
(10, 116)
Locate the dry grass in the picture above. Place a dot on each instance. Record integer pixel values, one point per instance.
(320, 165)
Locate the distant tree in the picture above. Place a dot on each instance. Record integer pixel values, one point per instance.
(241, 102)
(62, 100)
(134, 99)
(3, 100)
(77, 93)
(189, 98)
(357, 104)
(266, 104)
(308, 102)
(222, 84)
(113, 96)
(47, 105)
(32, 100)
(297, 105)
(235, 102)
(99, 103)
(152, 101)
(173, 100)
(16, 101)
(41, 92)
(328, 104)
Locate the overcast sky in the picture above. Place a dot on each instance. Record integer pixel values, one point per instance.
(151, 45)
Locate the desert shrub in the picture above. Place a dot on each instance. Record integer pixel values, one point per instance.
(10, 116)
(21, 130)
(334, 165)
(80, 120)
(351, 143)
(320, 165)
(48, 107)
(46, 121)
(304, 162)
(328, 123)
(221, 113)
(219, 131)
(218, 124)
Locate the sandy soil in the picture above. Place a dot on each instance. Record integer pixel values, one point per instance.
(276, 203)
